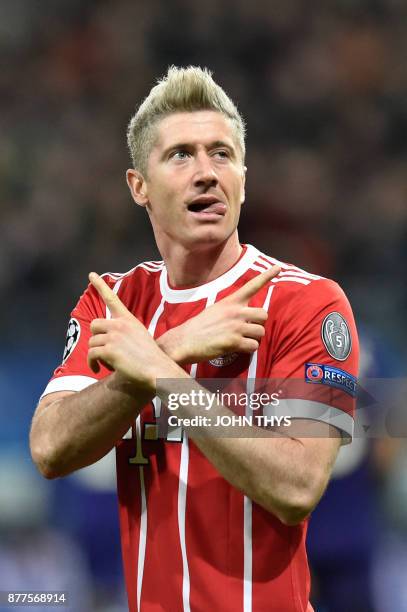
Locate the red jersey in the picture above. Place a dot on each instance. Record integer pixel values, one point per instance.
(190, 540)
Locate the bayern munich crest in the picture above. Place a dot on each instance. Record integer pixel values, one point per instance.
(224, 360)
(72, 337)
(336, 336)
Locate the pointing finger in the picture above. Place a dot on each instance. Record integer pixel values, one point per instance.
(116, 307)
(255, 284)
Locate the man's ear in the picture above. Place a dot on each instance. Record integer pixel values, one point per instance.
(243, 185)
(137, 186)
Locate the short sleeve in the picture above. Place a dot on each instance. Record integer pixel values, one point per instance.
(74, 374)
(315, 356)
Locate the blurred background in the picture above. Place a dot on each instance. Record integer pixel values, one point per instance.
(323, 87)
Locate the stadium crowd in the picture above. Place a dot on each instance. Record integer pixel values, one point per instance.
(323, 90)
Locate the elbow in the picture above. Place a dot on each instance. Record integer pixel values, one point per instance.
(44, 460)
(301, 499)
(48, 472)
(44, 465)
(295, 504)
(300, 503)
(294, 514)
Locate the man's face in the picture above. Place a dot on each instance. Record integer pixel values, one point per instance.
(195, 181)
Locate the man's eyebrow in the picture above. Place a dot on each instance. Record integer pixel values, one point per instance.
(221, 143)
(189, 145)
(178, 145)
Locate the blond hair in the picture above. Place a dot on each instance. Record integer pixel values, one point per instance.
(181, 90)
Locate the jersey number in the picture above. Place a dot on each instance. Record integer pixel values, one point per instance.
(151, 432)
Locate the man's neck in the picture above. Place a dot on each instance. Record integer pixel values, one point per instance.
(191, 268)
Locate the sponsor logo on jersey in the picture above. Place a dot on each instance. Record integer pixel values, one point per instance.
(72, 337)
(224, 360)
(319, 373)
(336, 336)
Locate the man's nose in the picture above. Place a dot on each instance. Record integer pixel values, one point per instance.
(205, 174)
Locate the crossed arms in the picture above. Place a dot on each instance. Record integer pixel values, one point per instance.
(285, 475)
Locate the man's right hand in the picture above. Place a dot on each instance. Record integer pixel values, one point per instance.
(227, 326)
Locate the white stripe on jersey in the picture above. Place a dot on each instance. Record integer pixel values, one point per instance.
(115, 290)
(182, 502)
(289, 267)
(143, 537)
(118, 275)
(310, 409)
(143, 516)
(268, 298)
(290, 272)
(68, 383)
(248, 555)
(247, 508)
(151, 266)
(182, 495)
(301, 274)
(182, 507)
(293, 279)
(279, 278)
(286, 270)
(156, 316)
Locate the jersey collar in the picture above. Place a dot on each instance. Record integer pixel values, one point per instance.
(178, 296)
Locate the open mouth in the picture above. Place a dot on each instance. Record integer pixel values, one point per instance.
(208, 206)
(198, 206)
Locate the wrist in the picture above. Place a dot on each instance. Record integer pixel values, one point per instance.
(117, 381)
(170, 344)
(161, 366)
(168, 379)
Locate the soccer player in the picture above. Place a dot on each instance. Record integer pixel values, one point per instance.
(207, 522)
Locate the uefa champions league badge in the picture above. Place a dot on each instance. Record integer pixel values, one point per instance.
(336, 336)
(224, 360)
(72, 337)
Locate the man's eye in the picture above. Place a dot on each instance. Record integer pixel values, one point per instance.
(181, 154)
(222, 153)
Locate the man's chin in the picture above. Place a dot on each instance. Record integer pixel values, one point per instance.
(207, 238)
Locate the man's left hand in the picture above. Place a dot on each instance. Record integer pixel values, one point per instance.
(122, 343)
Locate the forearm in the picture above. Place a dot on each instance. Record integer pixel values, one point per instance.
(79, 429)
(265, 467)
(271, 468)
